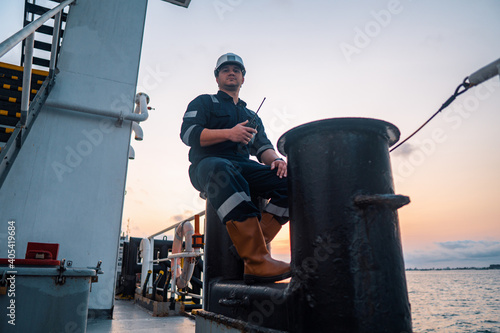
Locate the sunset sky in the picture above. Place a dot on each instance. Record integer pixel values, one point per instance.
(398, 61)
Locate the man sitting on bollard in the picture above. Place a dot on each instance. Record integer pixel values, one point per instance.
(222, 134)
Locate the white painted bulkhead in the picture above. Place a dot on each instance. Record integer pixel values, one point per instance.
(67, 184)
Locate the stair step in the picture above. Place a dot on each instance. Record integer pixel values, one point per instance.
(10, 107)
(5, 133)
(45, 29)
(17, 71)
(15, 88)
(9, 99)
(39, 10)
(9, 117)
(11, 83)
(7, 113)
(15, 81)
(10, 94)
(42, 46)
(9, 121)
(41, 62)
(13, 96)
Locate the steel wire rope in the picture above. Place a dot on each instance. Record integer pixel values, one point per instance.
(466, 85)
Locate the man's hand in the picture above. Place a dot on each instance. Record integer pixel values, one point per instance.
(241, 133)
(269, 157)
(281, 166)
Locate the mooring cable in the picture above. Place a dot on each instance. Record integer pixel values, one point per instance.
(465, 85)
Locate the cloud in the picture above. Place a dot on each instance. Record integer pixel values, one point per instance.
(183, 216)
(469, 246)
(468, 249)
(456, 244)
(461, 253)
(405, 150)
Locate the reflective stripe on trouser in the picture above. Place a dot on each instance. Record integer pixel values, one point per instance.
(230, 186)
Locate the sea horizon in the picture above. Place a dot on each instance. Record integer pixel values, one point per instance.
(492, 266)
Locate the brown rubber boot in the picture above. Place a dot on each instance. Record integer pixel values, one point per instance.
(249, 242)
(270, 226)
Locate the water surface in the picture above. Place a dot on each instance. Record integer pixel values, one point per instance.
(455, 300)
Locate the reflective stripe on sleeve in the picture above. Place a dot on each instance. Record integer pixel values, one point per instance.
(265, 147)
(231, 203)
(185, 138)
(190, 114)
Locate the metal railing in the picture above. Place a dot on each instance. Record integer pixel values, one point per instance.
(173, 226)
(28, 33)
(28, 110)
(147, 255)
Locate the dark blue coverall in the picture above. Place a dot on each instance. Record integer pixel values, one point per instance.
(224, 171)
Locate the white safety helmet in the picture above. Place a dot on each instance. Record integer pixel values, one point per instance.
(229, 58)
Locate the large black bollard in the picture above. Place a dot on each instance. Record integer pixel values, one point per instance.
(347, 264)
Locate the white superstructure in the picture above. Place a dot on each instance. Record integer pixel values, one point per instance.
(67, 183)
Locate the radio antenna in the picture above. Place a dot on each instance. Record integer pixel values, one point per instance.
(255, 115)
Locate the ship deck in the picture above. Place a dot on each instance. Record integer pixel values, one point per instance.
(129, 317)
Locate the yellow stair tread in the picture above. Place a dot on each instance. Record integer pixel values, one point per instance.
(20, 69)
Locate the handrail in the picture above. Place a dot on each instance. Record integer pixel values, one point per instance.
(55, 43)
(11, 149)
(147, 253)
(28, 33)
(28, 62)
(22, 34)
(176, 224)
